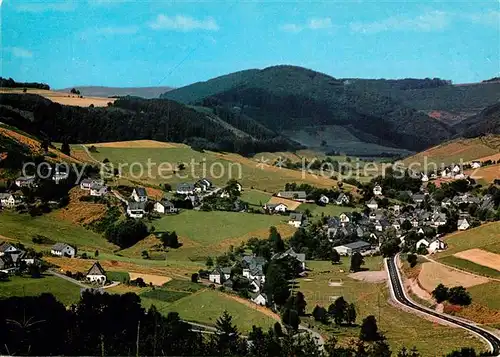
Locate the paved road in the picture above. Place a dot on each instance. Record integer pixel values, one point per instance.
(399, 295)
(71, 280)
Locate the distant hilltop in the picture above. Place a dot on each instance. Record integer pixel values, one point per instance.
(97, 91)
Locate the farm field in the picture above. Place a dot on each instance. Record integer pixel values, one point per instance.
(485, 237)
(206, 306)
(454, 151)
(217, 166)
(63, 98)
(486, 174)
(22, 228)
(481, 257)
(400, 328)
(470, 266)
(210, 233)
(328, 210)
(432, 274)
(63, 290)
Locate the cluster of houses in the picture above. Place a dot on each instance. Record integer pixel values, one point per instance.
(12, 257)
(449, 172)
(423, 220)
(96, 187)
(253, 270)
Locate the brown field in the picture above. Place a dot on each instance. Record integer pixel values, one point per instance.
(291, 204)
(494, 157)
(34, 145)
(481, 257)
(486, 173)
(137, 144)
(433, 274)
(80, 212)
(157, 280)
(63, 98)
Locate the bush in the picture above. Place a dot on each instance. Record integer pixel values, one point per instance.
(40, 239)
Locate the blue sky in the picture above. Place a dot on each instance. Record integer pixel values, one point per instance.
(150, 43)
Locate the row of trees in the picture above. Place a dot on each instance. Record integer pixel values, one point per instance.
(456, 295)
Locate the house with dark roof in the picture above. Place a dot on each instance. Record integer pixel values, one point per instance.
(351, 248)
(220, 275)
(291, 253)
(63, 250)
(372, 204)
(300, 196)
(96, 274)
(136, 209)
(165, 207)
(259, 298)
(342, 199)
(296, 219)
(139, 194)
(185, 188)
(7, 248)
(275, 207)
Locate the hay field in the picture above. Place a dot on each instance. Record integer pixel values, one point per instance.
(63, 98)
(138, 144)
(291, 204)
(486, 173)
(481, 257)
(454, 151)
(432, 274)
(157, 280)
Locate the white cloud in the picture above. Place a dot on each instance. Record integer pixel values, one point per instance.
(312, 24)
(117, 30)
(19, 52)
(320, 23)
(59, 6)
(491, 18)
(183, 23)
(430, 21)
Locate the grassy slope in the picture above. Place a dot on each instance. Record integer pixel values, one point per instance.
(63, 290)
(207, 305)
(247, 171)
(22, 227)
(456, 150)
(485, 237)
(401, 328)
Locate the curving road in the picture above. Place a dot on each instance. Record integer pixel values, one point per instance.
(400, 296)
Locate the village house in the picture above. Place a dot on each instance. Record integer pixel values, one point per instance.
(202, 185)
(275, 207)
(224, 194)
(87, 183)
(97, 190)
(296, 219)
(351, 248)
(253, 269)
(299, 196)
(63, 250)
(475, 164)
(300, 257)
(185, 189)
(96, 274)
(136, 209)
(432, 244)
(425, 178)
(418, 198)
(324, 200)
(342, 199)
(219, 275)
(164, 207)
(372, 204)
(9, 200)
(377, 190)
(463, 224)
(25, 181)
(7, 248)
(139, 194)
(259, 298)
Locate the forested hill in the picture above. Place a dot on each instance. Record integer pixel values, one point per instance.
(132, 119)
(486, 122)
(291, 98)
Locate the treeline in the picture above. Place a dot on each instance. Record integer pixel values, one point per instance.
(10, 83)
(117, 325)
(130, 119)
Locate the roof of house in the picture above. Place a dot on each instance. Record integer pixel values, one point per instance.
(356, 245)
(290, 253)
(132, 205)
(255, 295)
(166, 203)
(296, 217)
(96, 269)
(60, 246)
(185, 186)
(373, 201)
(293, 194)
(4, 246)
(140, 191)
